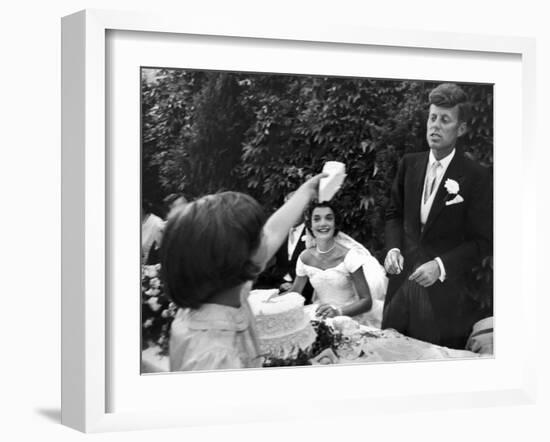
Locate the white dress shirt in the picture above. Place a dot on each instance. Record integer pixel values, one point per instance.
(293, 237)
(440, 172)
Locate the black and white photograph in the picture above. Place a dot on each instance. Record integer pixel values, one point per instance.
(342, 235)
(301, 220)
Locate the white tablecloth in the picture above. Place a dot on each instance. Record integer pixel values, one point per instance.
(379, 346)
(391, 346)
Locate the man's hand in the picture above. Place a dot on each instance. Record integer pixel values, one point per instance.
(394, 262)
(426, 274)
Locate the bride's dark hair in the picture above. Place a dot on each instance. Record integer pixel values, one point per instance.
(314, 205)
(207, 247)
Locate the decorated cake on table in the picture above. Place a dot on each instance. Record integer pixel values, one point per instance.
(282, 327)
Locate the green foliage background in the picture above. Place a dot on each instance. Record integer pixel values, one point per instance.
(263, 134)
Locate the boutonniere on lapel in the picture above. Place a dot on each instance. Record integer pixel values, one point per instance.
(453, 197)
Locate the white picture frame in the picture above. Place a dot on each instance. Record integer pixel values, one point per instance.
(86, 205)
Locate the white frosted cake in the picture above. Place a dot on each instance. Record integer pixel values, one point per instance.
(281, 324)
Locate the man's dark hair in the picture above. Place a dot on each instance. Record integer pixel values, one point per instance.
(450, 95)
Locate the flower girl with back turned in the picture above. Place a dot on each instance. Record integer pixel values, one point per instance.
(213, 248)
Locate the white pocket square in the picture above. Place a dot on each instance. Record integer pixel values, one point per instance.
(456, 200)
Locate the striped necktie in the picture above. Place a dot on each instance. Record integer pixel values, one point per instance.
(430, 181)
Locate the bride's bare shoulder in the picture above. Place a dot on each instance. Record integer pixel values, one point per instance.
(307, 257)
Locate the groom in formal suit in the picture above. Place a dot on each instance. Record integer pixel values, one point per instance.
(438, 227)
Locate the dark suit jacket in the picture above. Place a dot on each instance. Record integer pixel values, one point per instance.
(460, 234)
(273, 276)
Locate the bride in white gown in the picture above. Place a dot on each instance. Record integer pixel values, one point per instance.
(346, 278)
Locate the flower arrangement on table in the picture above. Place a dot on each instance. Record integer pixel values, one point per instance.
(157, 311)
(339, 337)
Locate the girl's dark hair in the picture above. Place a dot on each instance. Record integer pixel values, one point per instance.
(207, 247)
(314, 205)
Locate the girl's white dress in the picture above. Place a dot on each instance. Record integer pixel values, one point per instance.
(212, 337)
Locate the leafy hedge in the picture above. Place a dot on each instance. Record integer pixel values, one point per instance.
(264, 134)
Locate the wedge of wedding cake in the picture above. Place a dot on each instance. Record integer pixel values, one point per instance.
(281, 324)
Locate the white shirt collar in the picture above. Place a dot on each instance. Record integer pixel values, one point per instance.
(444, 161)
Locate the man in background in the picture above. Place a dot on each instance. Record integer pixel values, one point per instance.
(281, 270)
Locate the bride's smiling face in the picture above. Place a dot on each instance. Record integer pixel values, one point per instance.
(322, 222)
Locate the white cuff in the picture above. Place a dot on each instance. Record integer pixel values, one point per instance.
(391, 250)
(443, 274)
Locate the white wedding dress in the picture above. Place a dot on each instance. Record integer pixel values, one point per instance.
(334, 285)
